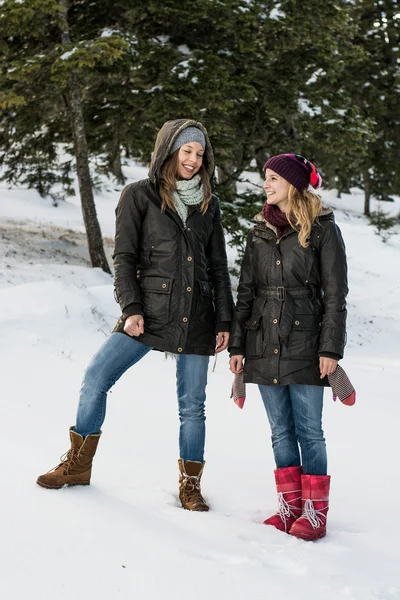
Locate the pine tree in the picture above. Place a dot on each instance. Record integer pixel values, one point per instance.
(382, 222)
(376, 93)
(262, 80)
(42, 76)
(264, 76)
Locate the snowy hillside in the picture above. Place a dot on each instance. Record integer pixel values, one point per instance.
(125, 536)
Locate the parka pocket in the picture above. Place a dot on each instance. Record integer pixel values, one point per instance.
(203, 302)
(254, 337)
(304, 336)
(156, 298)
(306, 322)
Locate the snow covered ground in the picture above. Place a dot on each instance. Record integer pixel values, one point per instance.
(126, 536)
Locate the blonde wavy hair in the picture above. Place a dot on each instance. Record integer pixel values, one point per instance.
(167, 181)
(302, 210)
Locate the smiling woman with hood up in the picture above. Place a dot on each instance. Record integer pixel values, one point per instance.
(173, 287)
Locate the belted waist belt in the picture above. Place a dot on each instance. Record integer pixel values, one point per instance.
(280, 292)
(286, 295)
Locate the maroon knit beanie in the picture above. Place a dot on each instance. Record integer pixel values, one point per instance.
(296, 169)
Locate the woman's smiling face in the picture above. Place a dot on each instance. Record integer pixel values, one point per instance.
(276, 188)
(190, 159)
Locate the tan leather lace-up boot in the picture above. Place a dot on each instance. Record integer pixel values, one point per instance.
(75, 467)
(189, 485)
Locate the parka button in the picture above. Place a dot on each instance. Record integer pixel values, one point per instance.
(276, 351)
(188, 289)
(297, 322)
(275, 321)
(179, 349)
(185, 319)
(164, 285)
(189, 258)
(278, 262)
(275, 381)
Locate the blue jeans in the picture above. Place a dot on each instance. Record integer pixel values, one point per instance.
(295, 416)
(116, 355)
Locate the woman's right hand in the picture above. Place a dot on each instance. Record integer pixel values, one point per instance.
(236, 363)
(134, 325)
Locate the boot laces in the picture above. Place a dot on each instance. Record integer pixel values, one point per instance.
(191, 486)
(68, 459)
(312, 515)
(285, 510)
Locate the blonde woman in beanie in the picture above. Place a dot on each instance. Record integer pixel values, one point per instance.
(173, 287)
(289, 330)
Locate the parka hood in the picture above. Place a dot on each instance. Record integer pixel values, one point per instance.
(165, 140)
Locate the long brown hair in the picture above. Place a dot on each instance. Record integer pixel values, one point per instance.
(168, 177)
(302, 209)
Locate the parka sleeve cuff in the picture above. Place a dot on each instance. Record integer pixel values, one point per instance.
(330, 355)
(235, 351)
(135, 308)
(222, 326)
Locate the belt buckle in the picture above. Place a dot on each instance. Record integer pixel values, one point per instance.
(280, 290)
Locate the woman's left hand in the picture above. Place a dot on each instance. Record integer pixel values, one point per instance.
(222, 341)
(327, 366)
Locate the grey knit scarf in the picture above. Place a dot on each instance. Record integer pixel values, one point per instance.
(188, 193)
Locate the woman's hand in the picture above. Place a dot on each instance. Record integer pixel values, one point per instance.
(327, 366)
(134, 325)
(222, 341)
(236, 364)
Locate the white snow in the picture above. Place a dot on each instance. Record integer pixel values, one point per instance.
(315, 75)
(109, 32)
(184, 49)
(163, 39)
(126, 536)
(182, 68)
(68, 54)
(277, 13)
(305, 106)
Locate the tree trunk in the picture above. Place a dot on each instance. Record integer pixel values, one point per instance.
(225, 179)
(226, 174)
(115, 162)
(261, 156)
(93, 231)
(367, 195)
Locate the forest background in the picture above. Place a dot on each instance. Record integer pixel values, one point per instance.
(86, 85)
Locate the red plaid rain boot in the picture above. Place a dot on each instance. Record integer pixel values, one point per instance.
(288, 487)
(315, 501)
